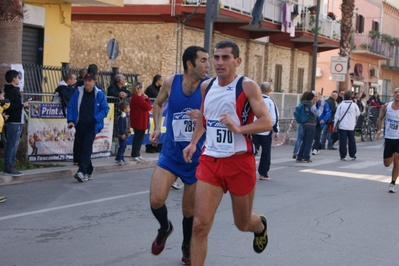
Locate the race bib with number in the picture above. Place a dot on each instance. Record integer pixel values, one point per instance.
(183, 127)
(219, 139)
(392, 128)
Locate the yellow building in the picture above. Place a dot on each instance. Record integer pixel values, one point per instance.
(47, 29)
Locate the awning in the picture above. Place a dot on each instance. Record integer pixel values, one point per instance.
(374, 85)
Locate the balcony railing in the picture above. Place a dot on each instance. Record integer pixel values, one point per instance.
(272, 12)
(373, 45)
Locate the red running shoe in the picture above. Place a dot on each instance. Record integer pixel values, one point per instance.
(159, 243)
(186, 259)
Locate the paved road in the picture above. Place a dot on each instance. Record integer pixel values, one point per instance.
(324, 213)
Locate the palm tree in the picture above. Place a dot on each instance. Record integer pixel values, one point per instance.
(345, 47)
(11, 23)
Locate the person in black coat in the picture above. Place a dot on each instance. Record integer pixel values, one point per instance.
(152, 93)
(118, 89)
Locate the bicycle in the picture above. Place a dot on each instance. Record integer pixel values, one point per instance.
(369, 124)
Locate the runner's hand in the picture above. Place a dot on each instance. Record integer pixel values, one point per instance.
(188, 152)
(154, 137)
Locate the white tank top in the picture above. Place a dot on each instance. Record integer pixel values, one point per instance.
(220, 142)
(391, 128)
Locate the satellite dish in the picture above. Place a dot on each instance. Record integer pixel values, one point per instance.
(112, 49)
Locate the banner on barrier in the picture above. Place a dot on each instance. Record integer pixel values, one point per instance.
(50, 140)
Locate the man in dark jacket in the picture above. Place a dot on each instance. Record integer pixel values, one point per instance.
(118, 89)
(152, 93)
(153, 90)
(86, 112)
(326, 134)
(14, 122)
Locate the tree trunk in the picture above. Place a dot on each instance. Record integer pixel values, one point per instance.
(347, 8)
(11, 25)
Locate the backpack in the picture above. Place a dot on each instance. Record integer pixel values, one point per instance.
(301, 113)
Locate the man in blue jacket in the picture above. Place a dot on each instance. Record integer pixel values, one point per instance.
(321, 123)
(86, 112)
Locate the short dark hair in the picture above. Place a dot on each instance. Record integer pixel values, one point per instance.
(93, 68)
(10, 75)
(228, 43)
(309, 96)
(123, 105)
(190, 54)
(156, 78)
(68, 76)
(347, 95)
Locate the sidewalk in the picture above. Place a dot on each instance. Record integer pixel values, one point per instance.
(101, 165)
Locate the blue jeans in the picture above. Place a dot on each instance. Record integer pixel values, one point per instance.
(306, 146)
(326, 137)
(13, 134)
(298, 138)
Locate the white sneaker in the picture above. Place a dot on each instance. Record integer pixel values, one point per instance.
(136, 159)
(391, 188)
(89, 177)
(141, 159)
(314, 152)
(176, 186)
(80, 177)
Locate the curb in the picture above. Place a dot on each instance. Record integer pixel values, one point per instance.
(106, 165)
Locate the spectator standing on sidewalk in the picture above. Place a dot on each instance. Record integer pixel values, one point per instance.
(152, 93)
(184, 96)
(86, 112)
(140, 105)
(389, 118)
(347, 113)
(327, 130)
(299, 132)
(264, 139)
(15, 121)
(4, 104)
(227, 163)
(309, 127)
(118, 89)
(80, 80)
(123, 131)
(321, 123)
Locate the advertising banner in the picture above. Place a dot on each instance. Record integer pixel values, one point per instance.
(50, 140)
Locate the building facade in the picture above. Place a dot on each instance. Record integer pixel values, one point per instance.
(152, 36)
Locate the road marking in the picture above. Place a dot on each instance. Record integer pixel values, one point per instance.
(361, 165)
(379, 178)
(375, 147)
(71, 205)
(283, 160)
(320, 162)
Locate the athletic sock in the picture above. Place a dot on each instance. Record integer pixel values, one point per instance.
(161, 215)
(187, 229)
(393, 182)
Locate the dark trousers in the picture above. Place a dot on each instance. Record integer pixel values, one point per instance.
(84, 140)
(121, 149)
(307, 139)
(265, 141)
(347, 138)
(76, 152)
(137, 141)
(316, 139)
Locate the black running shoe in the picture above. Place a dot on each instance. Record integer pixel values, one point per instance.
(261, 240)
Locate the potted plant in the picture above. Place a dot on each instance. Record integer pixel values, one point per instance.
(374, 34)
(386, 37)
(395, 41)
(312, 9)
(364, 46)
(331, 15)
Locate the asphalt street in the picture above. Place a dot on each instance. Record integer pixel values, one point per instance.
(327, 212)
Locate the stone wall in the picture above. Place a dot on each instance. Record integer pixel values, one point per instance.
(156, 48)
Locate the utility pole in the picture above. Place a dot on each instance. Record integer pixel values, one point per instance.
(212, 11)
(315, 46)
